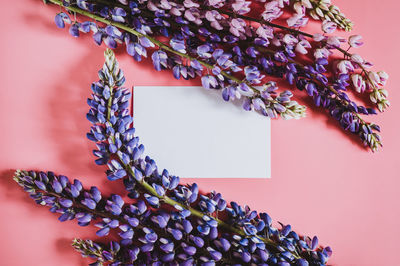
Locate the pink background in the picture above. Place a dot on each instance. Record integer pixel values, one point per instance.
(323, 182)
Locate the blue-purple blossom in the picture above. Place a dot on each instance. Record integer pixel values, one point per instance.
(74, 29)
(62, 18)
(165, 222)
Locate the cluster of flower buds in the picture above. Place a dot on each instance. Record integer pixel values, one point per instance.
(166, 223)
(219, 42)
(322, 10)
(154, 236)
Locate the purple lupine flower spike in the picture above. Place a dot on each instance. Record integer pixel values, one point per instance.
(165, 222)
(202, 37)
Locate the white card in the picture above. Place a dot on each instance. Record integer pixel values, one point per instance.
(193, 132)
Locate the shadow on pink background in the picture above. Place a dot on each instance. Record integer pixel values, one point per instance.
(323, 182)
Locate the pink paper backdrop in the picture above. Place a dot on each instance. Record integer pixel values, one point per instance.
(323, 182)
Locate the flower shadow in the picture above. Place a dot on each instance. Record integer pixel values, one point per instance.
(10, 189)
(63, 245)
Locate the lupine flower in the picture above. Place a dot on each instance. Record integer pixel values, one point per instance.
(358, 83)
(329, 26)
(167, 222)
(159, 231)
(62, 18)
(206, 38)
(74, 30)
(355, 41)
